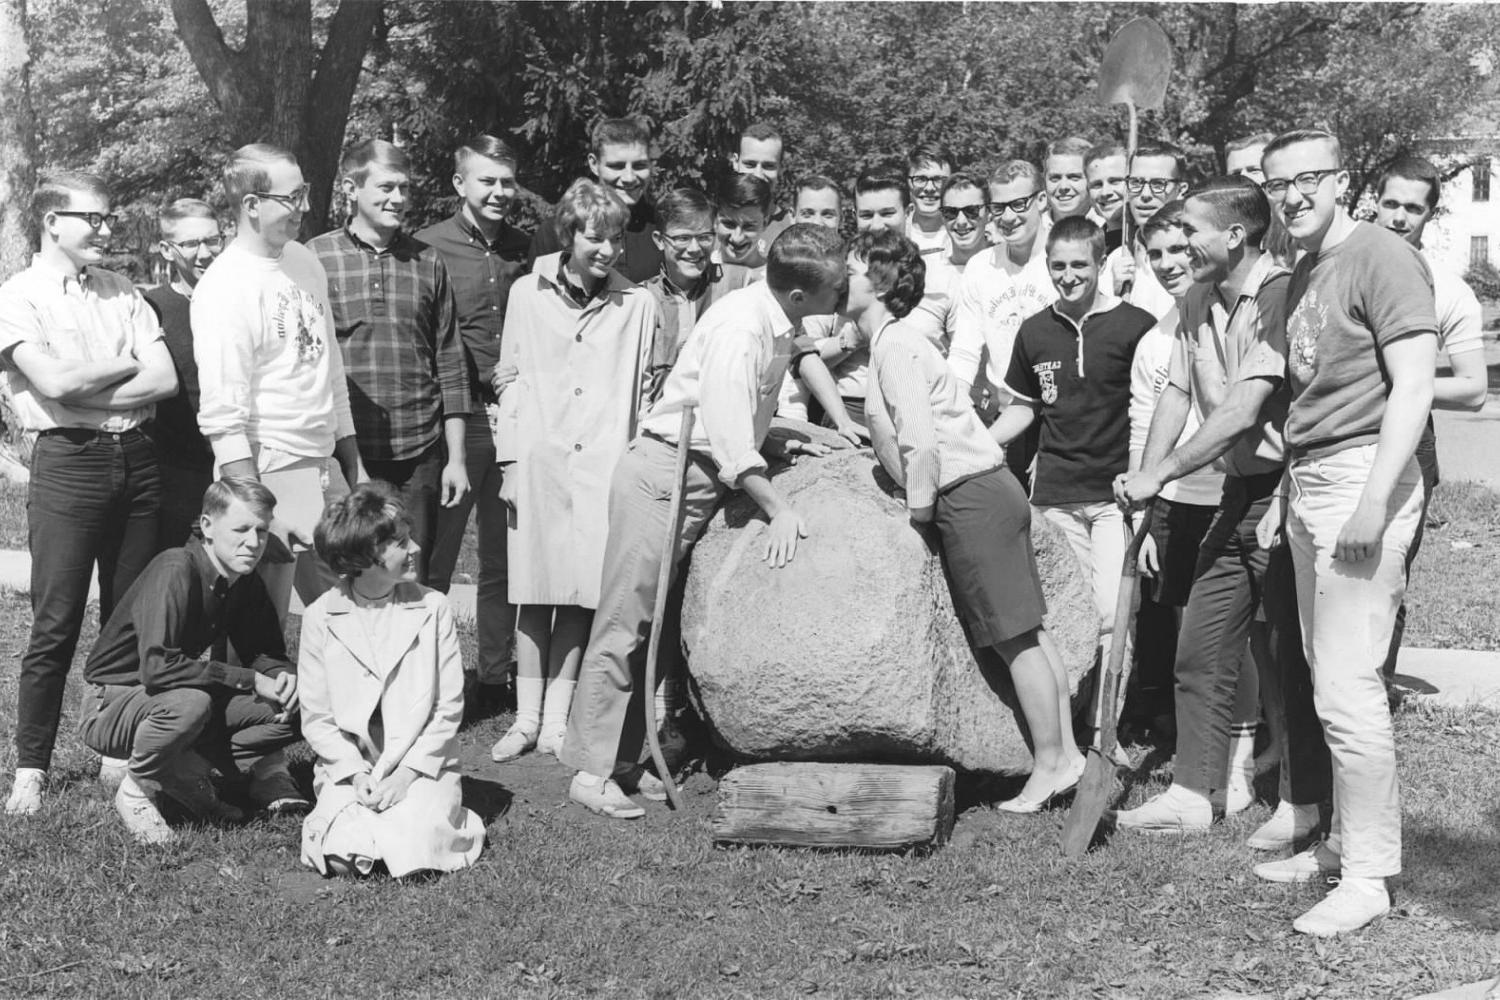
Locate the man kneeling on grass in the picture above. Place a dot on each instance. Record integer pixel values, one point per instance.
(173, 714)
(930, 439)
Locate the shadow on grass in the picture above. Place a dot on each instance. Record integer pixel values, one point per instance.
(489, 799)
(1455, 873)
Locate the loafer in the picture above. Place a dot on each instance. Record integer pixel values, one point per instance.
(1347, 908)
(1312, 865)
(512, 745)
(603, 796)
(273, 789)
(142, 818)
(1287, 825)
(1023, 805)
(1168, 813)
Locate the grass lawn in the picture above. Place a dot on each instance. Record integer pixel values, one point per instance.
(564, 904)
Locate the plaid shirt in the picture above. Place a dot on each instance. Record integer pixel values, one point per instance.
(394, 315)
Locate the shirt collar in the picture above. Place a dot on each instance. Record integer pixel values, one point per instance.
(51, 273)
(471, 231)
(398, 242)
(781, 324)
(553, 274)
(214, 581)
(1103, 303)
(711, 276)
(1264, 269)
(876, 336)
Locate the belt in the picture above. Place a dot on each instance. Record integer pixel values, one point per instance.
(83, 435)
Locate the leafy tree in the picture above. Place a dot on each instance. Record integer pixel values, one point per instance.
(17, 138)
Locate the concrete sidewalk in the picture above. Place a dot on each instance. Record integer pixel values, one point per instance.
(1447, 676)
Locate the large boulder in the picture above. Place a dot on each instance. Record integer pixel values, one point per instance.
(853, 652)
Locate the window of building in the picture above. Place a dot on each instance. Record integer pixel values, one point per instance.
(1482, 180)
(1479, 250)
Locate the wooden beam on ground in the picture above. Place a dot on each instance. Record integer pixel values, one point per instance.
(883, 807)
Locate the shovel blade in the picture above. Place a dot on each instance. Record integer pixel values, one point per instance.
(1136, 66)
(1095, 789)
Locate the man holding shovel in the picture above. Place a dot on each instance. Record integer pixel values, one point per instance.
(730, 370)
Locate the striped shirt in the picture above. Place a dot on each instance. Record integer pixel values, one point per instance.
(394, 317)
(925, 432)
(94, 315)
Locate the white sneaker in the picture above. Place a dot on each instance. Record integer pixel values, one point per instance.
(140, 814)
(551, 740)
(26, 793)
(112, 771)
(1317, 862)
(513, 744)
(1173, 811)
(1287, 825)
(1348, 907)
(645, 784)
(603, 796)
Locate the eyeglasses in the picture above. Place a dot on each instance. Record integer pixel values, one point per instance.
(1157, 185)
(951, 213)
(214, 243)
(681, 241)
(926, 180)
(95, 220)
(297, 199)
(1018, 205)
(1306, 183)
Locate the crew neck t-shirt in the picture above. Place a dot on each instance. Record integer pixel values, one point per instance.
(1078, 376)
(1344, 304)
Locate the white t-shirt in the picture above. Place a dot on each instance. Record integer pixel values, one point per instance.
(1148, 379)
(269, 365)
(1459, 315)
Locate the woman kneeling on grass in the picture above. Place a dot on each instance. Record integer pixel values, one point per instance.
(931, 441)
(381, 683)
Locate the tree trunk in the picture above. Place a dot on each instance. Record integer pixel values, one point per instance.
(17, 139)
(268, 91)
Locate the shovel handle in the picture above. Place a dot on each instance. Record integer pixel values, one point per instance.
(1109, 684)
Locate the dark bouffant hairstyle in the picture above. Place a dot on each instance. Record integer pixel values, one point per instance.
(354, 529)
(896, 268)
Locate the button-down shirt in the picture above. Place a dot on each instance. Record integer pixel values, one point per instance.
(481, 272)
(177, 609)
(1220, 344)
(731, 369)
(680, 310)
(925, 432)
(394, 317)
(94, 315)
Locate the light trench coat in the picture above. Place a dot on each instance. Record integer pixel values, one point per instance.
(416, 681)
(571, 382)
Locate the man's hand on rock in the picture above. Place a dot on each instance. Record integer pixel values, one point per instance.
(786, 528)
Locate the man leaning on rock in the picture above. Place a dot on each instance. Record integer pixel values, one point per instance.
(154, 699)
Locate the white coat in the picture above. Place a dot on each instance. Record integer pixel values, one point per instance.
(415, 679)
(571, 384)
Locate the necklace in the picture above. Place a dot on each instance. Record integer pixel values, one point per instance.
(363, 598)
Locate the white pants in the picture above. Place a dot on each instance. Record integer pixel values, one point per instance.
(1096, 533)
(1348, 610)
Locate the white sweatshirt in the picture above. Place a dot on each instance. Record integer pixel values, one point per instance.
(269, 367)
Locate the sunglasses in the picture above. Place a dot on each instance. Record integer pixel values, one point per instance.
(973, 213)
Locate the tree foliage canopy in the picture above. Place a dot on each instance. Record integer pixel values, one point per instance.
(850, 85)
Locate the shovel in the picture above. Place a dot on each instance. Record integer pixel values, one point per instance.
(658, 611)
(1134, 73)
(1097, 785)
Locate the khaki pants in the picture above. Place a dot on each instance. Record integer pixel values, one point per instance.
(606, 730)
(1348, 610)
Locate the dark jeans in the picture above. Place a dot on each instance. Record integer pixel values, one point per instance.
(419, 481)
(181, 503)
(494, 615)
(1286, 691)
(230, 729)
(93, 498)
(1178, 530)
(1226, 595)
(1428, 463)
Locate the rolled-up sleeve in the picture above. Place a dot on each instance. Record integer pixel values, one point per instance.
(729, 392)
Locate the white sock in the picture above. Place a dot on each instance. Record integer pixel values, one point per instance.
(559, 702)
(529, 692)
(21, 772)
(1242, 753)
